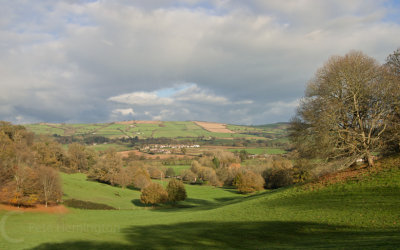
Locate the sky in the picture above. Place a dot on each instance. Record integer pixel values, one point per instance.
(230, 61)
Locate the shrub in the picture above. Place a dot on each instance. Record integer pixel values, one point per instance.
(176, 190)
(248, 182)
(153, 194)
(302, 170)
(278, 177)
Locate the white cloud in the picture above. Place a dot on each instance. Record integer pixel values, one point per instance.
(281, 107)
(66, 61)
(141, 98)
(124, 112)
(179, 94)
(198, 95)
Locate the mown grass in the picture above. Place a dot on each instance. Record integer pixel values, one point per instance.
(362, 213)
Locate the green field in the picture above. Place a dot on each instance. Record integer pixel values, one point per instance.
(179, 168)
(362, 214)
(259, 151)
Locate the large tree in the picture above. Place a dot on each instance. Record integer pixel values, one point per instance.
(81, 158)
(392, 70)
(345, 111)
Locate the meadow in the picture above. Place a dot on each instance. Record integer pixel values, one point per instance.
(356, 213)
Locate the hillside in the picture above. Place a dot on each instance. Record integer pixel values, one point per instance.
(355, 212)
(162, 129)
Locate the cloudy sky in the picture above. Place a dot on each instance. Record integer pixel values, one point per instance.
(232, 61)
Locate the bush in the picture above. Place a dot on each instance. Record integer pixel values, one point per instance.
(278, 177)
(153, 194)
(248, 182)
(302, 171)
(176, 191)
(87, 205)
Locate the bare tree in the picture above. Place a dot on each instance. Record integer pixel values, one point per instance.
(50, 184)
(346, 109)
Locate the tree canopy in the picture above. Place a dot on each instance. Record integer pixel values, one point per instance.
(346, 110)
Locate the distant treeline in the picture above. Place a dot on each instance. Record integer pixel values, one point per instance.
(201, 140)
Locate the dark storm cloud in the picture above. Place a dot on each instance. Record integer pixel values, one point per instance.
(228, 61)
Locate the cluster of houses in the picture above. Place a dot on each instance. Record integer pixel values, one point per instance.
(165, 148)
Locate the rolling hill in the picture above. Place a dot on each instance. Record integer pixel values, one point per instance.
(162, 129)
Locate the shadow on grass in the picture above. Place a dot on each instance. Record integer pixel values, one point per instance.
(247, 235)
(137, 202)
(200, 204)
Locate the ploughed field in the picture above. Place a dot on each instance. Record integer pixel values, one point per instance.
(360, 212)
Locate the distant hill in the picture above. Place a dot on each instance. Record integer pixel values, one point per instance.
(163, 129)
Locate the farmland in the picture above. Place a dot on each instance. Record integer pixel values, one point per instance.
(165, 129)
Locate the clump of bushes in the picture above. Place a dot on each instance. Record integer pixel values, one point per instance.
(248, 182)
(278, 177)
(87, 205)
(176, 191)
(154, 194)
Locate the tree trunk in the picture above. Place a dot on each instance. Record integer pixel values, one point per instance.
(370, 159)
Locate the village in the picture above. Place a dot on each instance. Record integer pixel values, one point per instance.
(166, 148)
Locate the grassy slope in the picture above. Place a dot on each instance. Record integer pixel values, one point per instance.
(356, 214)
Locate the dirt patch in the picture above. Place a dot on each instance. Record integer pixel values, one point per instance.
(60, 209)
(214, 127)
